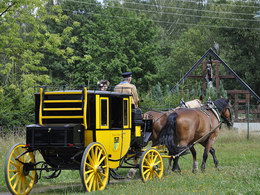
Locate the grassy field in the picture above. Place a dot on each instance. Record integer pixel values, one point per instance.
(239, 174)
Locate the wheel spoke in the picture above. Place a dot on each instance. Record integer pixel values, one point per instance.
(19, 185)
(96, 151)
(91, 181)
(14, 164)
(13, 177)
(31, 177)
(102, 159)
(99, 182)
(26, 182)
(155, 172)
(155, 158)
(147, 170)
(147, 175)
(23, 184)
(103, 174)
(12, 171)
(16, 153)
(92, 167)
(89, 171)
(104, 166)
(93, 155)
(99, 154)
(158, 162)
(94, 183)
(146, 167)
(89, 177)
(100, 179)
(147, 162)
(149, 158)
(90, 160)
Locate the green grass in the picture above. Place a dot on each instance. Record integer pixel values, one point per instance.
(239, 174)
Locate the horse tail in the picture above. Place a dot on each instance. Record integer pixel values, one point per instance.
(168, 134)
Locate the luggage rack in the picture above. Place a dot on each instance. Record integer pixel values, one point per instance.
(47, 112)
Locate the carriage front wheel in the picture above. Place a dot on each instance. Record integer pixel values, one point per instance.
(151, 165)
(94, 168)
(19, 177)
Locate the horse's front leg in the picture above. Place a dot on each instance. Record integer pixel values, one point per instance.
(195, 162)
(212, 152)
(176, 167)
(205, 157)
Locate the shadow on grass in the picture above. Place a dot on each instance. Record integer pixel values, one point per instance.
(59, 189)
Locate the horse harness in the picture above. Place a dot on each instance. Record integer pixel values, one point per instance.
(214, 110)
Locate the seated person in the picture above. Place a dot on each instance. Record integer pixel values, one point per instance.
(125, 86)
(103, 85)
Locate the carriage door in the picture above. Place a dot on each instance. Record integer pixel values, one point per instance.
(110, 138)
(127, 124)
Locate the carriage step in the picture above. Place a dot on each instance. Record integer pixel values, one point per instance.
(114, 175)
(55, 174)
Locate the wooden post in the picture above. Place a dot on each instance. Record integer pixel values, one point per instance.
(204, 85)
(217, 75)
(248, 120)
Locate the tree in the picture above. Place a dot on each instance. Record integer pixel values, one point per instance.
(107, 42)
(24, 38)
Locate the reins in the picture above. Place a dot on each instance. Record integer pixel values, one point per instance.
(162, 116)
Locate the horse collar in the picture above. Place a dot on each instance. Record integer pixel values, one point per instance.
(216, 113)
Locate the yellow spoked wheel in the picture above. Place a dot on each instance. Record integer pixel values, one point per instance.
(18, 176)
(151, 165)
(94, 168)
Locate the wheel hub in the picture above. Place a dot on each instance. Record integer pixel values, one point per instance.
(26, 169)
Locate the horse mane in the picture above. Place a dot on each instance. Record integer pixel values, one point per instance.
(221, 104)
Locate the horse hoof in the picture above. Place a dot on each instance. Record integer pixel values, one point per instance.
(218, 168)
(195, 171)
(131, 173)
(176, 171)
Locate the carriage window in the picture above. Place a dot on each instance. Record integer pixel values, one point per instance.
(104, 112)
(126, 113)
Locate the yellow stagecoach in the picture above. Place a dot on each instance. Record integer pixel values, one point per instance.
(86, 130)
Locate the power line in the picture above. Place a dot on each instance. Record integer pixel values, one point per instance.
(179, 23)
(215, 4)
(186, 15)
(177, 8)
(188, 9)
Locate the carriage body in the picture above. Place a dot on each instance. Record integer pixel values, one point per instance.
(87, 130)
(68, 121)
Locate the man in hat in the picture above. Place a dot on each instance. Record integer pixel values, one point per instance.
(125, 86)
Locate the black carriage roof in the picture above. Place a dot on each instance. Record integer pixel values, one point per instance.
(107, 93)
(96, 92)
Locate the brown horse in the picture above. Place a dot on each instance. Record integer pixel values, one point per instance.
(185, 127)
(160, 117)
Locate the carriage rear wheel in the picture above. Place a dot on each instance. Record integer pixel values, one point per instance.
(94, 168)
(18, 176)
(151, 165)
